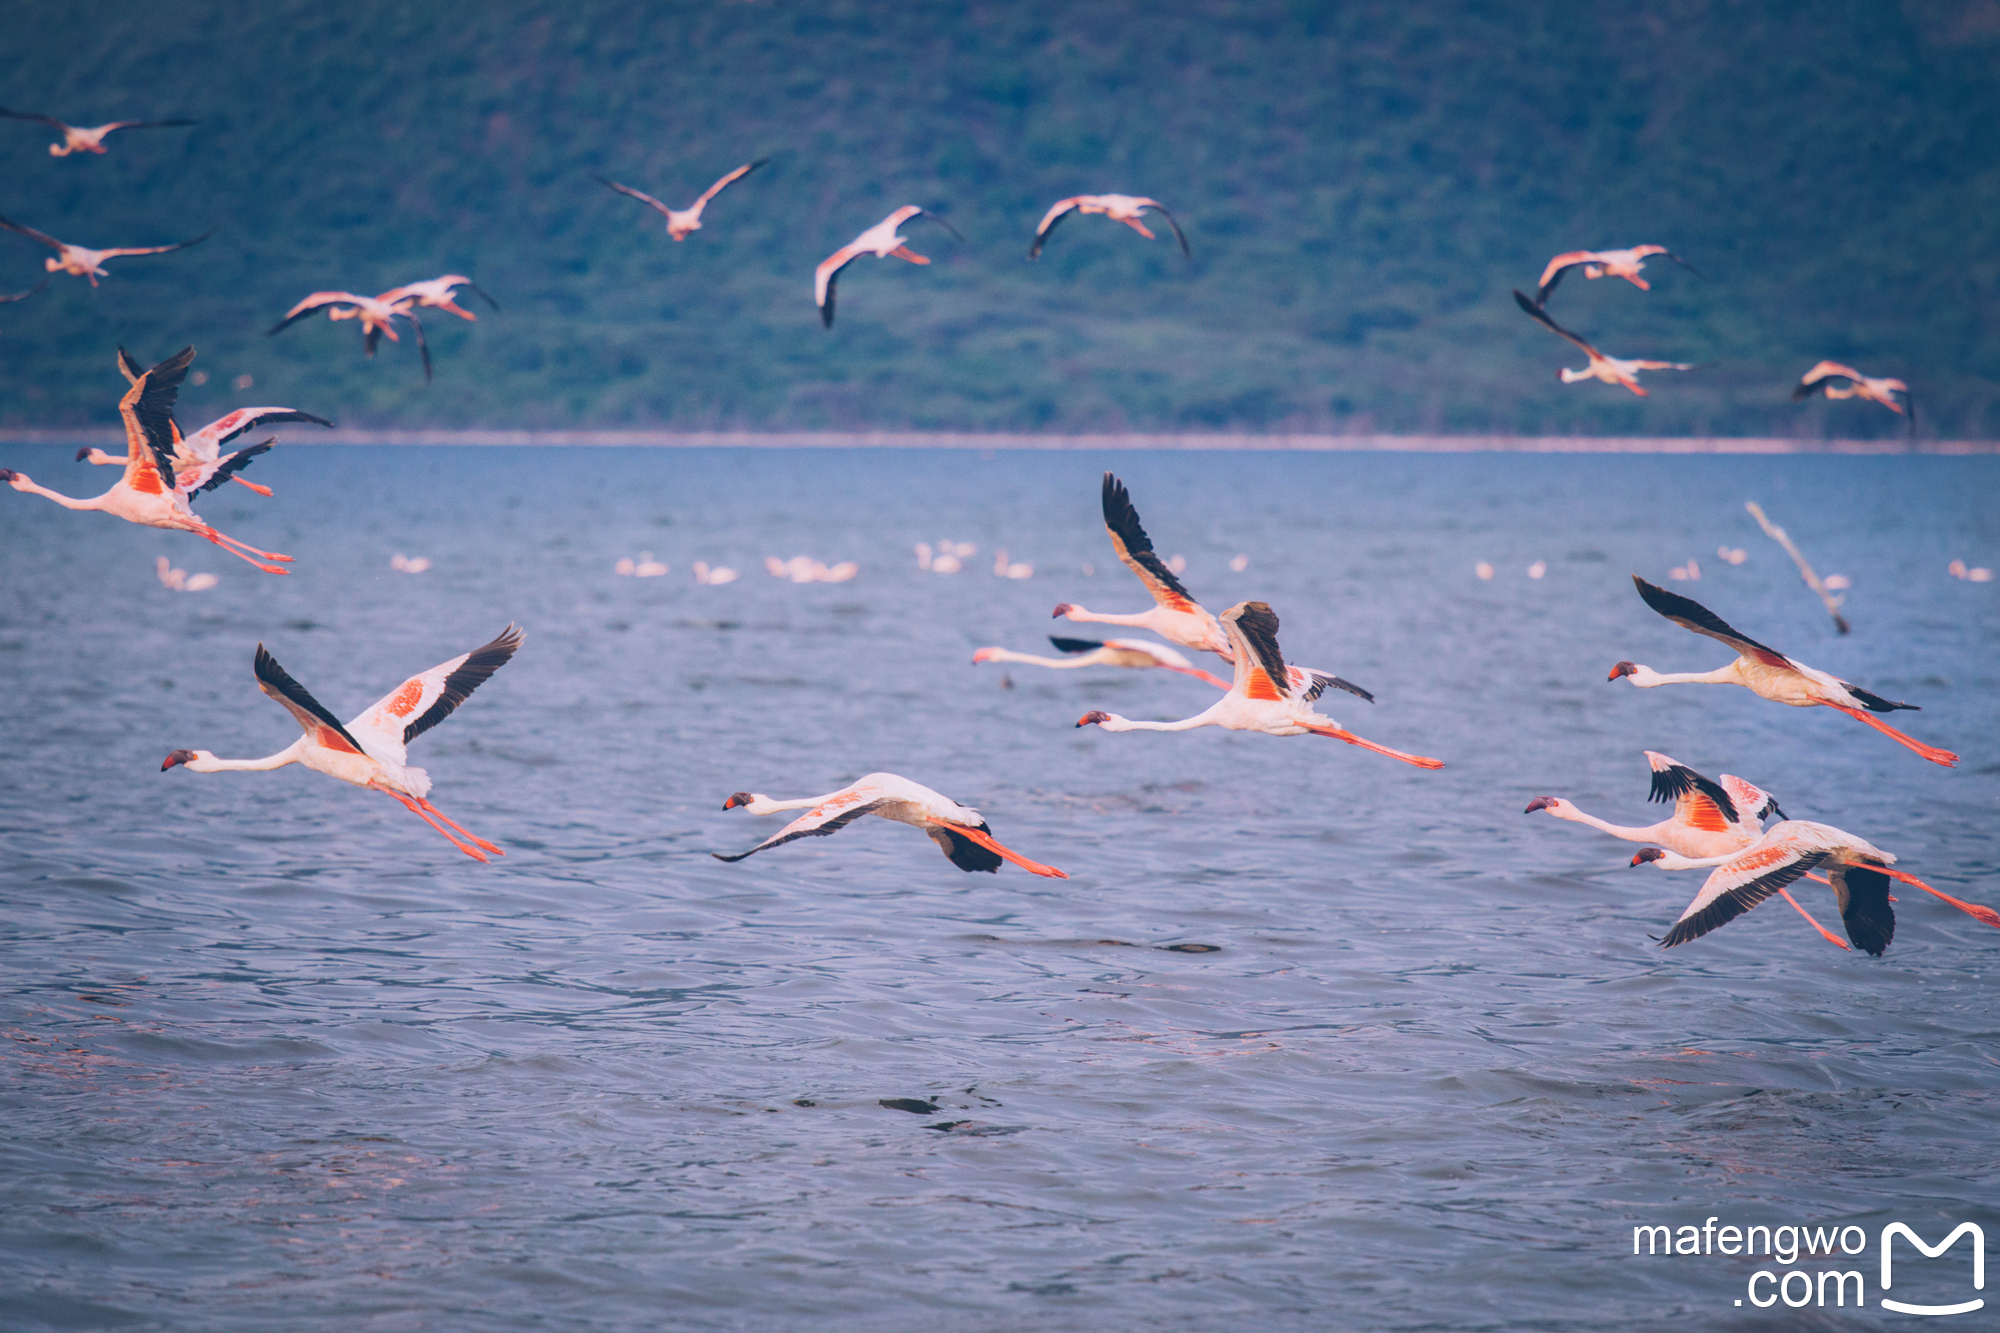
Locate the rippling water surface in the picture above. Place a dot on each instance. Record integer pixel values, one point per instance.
(278, 1056)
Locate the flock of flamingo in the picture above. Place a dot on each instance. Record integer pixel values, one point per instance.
(1715, 825)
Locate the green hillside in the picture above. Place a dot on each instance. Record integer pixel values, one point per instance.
(1362, 184)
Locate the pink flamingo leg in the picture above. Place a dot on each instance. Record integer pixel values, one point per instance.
(1930, 752)
(261, 490)
(1137, 226)
(242, 545)
(986, 840)
(449, 820)
(1342, 734)
(1831, 937)
(209, 534)
(1983, 915)
(905, 252)
(418, 811)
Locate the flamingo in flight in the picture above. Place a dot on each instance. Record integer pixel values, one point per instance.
(1610, 369)
(22, 296)
(1607, 264)
(83, 262)
(1125, 208)
(378, 315)
(1767, 672)
(683, 222)
(1821, 379)
(437, 293)
(1175, 615)
(78, 139)
(146, 494)
(199, 463)
(1135, 653)
(371, 751)
(960, 830)
(1255, 701)
(1709, 819)
(880, 240)
(1858, 872)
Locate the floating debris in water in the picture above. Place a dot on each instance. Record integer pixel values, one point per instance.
(914, 1105)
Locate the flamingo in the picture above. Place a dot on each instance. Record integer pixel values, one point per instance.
(879, 240)
(1708, 819)
(376, 313)
(371, 750)
(199, 464)
(682, 222)
(77, 139)
(1254, 701)
(87, 263)
(437, 292)
(1607, 264)
(1767, 672)
(1610, 369)
(141, 495)
(1858, 871)
(22, 296)
(1820, 379)
(1125, 208)
(1108, 652)
(959, 830)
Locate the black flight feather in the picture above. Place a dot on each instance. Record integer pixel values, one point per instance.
(1875, 703)
(966, 854)
(470, 674)
(233, 464)
(276, 681)
(1693, 615)
(1075, 645)
(1673, 783)
(1738, 901)
(1259, 624)
(1123, 520)
(1863, 895)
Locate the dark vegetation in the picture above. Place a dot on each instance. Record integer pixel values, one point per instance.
(1362, 184)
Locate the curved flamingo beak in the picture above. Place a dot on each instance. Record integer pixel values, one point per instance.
(1062, 610)
(176, 758)
(1646, 854)
(738, 798)
(1622, 669)
(1539, 803)
(983, 655)
(1090, 718)
(83, 453)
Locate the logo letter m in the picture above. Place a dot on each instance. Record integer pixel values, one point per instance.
(1894, 1229)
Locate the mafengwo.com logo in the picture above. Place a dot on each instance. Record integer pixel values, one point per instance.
(1827, 1267)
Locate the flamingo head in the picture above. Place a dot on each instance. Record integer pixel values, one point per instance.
(1623, 669)
(179, 757)
(739, 798)
(1089, 719)
(985, 655)
(1646, 854)
(1063, 610)
(1543, 803)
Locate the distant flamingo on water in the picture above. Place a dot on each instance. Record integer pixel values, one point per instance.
(79, 139)
(1610, 369)
(880, 240)
(1125, 208)
(147, 493)
(684, 222)
(1767, 672)
(959, 830)
(1256, 701)
(371, 751)
(1858, 872)
(83, 262)
(1607, 264)
(1136, 653)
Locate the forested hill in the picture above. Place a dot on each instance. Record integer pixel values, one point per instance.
(1362, 184)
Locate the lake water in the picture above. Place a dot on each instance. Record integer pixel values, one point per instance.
(278, 1056)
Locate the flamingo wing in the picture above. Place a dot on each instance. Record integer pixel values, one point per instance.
(143, 125)
(1815, 380)
(128, 250)
(317, 722)
(1057, 212)
(826, 275)
(150, 435)
(1552, 272)
(1160, 208)
(914, 212)
(1316, 683)
(22, 296)
(823, 820)
(30, 115)
(1684, 264)
(1751, 798)
(1692, 615)
(1135, 549)
(1260, 664)
(128, 366)
(32, 234)
(730, 179)
(230, 466)
(1862, 893)
(1541, 316)
(1740, 884)
(1079, 645)
(312, 303)
(1698, 802)
(423, 348)
(429, 697)
(640, 195)
(208, 441)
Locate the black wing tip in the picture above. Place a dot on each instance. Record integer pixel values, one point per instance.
(1340, 683)
(1076, 645)
(737, 857)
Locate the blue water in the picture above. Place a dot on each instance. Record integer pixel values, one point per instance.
(278, 1056)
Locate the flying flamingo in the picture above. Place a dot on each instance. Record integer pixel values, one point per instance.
(1176, 615)
(371, 750)
(879, 240)
(199, 464)
(437, 292)
(1858, 871)
(22, 296)
(1125, 208)
(1610, 369)
(1708, 819)
(1108, 652)
(1767, 672)
(681, 222)
(77, 139)
(376, 313)
(86, 263)
(1607, 264)
(1255, 702)
(141, 495)
(959, 830)
(1820, 379)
